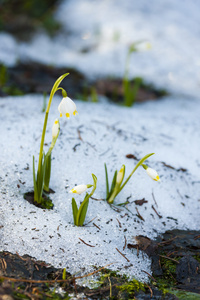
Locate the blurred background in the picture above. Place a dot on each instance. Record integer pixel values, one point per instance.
(125, 50)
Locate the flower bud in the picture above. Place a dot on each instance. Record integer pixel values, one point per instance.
(79, 189)
(153, 174)
(120, 175)
(55, 129)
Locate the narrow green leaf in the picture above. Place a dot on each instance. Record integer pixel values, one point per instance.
(113, 181)
(107, 182)
(83, 212)
(86, 199)
(47, 173)
(74, 210)
(35, 182)
(64, 274)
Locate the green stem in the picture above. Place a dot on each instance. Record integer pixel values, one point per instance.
(138, 164)
(53, 91)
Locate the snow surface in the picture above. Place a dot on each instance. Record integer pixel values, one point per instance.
(170, 128)
(95, 39)
(97, 35)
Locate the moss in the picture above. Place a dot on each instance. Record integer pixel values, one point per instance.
(183, 295)
(131, 287)
(197, 257)
(169, 272)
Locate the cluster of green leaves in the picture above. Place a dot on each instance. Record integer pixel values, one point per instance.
(80, 214)
(116, 187)
(5, 86)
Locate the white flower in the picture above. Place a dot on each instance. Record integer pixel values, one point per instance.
(67, 107)
(153, 174)
(55, 129)
(79, 189)
(120, 175)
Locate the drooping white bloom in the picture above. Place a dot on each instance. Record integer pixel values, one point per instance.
(120, 175)
(55, 128)
(153, 174)
(79, 189)
(67, 107)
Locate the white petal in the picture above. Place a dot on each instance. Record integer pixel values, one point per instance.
(71, 106)
(153, 174)
(79, 189)
(67, 107)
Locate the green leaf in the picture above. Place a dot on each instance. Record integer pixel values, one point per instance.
(113, 183)
(83, 211)
(47, 173)
(107, 182)
(74, 210)
(35, 182)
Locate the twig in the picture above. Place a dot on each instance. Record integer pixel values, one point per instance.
(123, 255)
(120, 225)
(90, 221)
(124, 243)
(115, 208)
(85, 243)
(156, 212)
(169, 258)
(52, 281)
(149, 289)
(154, 199)
(149, 275)
(139, 215)
(110, 284)
(96, 226)
(79, 135)
(168, 241)
(96, 199)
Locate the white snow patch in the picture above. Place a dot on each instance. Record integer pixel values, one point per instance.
(97, 35)
(170, 128)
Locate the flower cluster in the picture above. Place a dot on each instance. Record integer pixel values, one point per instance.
(41, 178)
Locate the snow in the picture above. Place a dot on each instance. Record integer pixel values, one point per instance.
(109, 132)
(97, 35)
(169, 127)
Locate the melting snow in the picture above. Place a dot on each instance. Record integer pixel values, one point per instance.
(169, 127)
(97, 35)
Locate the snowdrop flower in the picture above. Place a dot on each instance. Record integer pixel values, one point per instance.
(120, 175)
(67, 107)
(153, 174)
(79, 189)
(55, 129)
